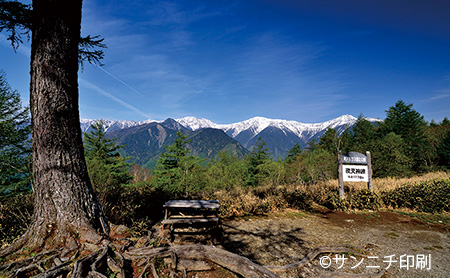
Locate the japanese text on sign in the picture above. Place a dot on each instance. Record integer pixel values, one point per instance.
(355, 173)
(354, 157)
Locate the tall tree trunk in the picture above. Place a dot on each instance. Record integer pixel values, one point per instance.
(65, 206)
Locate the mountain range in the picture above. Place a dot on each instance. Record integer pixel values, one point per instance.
(145, 141)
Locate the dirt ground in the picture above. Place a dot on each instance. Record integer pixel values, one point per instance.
(399, 245)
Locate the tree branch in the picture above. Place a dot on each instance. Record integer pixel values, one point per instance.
(16, 19)
(90, 50)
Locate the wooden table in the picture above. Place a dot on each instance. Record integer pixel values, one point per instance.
(188, 212)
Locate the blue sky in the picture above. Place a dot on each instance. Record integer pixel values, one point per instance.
(228, 61)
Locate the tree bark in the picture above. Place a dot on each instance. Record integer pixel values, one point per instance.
(66, 209)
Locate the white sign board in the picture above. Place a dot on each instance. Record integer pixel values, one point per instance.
(355, 173)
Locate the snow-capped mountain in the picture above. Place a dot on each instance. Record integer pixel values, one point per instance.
(145, 143)
(279, 135)
(193, 123)
(256, 125)
(110, 125)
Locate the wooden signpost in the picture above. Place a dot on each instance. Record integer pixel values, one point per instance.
(359, 170)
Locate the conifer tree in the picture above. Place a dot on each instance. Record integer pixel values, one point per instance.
(258, 155)
(174, 153)
(62, 192)
(106, 167)
(436, 134)
(364, 134)
(176, 171)
(295, 151)
(444, 151)
(403, 120)
(226, 171)
(312, 145)
(390, 158)
(15, 145)
(329, 141)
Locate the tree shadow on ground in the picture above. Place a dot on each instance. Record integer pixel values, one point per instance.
(264, 241)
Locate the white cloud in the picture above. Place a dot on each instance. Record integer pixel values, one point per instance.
(176, 68)
(122, 82)
(99, 90)
(165, 13)
(442, 95)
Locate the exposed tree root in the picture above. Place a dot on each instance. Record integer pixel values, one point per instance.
(45, 236)
(36, 259)
(56, 271)
(17, 245)
(178, 261)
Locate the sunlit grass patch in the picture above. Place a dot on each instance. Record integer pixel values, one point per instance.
(434, 218)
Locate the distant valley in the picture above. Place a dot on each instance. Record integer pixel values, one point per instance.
(145, 141)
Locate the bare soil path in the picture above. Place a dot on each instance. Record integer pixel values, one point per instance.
(401, 245)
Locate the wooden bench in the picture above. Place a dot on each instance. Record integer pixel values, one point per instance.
(190, 212)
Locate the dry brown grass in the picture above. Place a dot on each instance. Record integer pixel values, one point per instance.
(384, 184)
(268, 198)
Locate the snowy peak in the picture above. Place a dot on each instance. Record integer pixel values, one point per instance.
(110, 125)
(252, 126)
(342, 120)
(256, 125)
(194, 123)
(280, 135)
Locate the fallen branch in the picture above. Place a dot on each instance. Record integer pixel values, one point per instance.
(239, 264)
(228, 260)
(145, 270)
(152, 267)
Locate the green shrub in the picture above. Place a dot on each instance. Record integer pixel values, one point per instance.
(335, 203)
(365, 199)
(298, 199)
(431, 196)
(359, 199)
